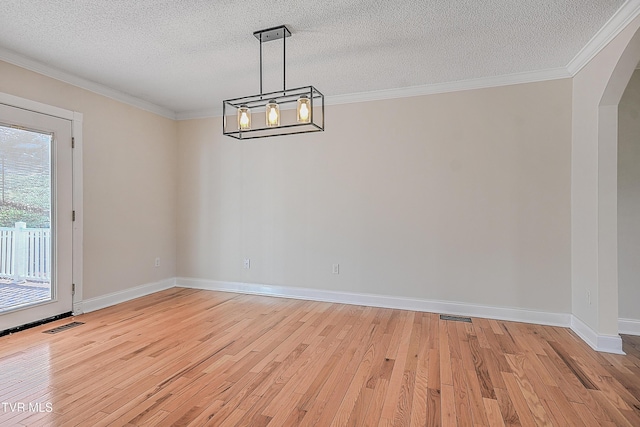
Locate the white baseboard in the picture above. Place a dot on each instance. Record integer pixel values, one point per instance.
(77, 308)
(373, 300)
(629, 326)
(93, 304)
(604, 343)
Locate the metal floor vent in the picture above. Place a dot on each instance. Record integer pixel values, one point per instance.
(455, 318)
(63, 328)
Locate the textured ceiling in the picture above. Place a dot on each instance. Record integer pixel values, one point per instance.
(188, 56)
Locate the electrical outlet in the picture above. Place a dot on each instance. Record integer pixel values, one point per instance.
(247, 263)
(157, 263)
(336, 269)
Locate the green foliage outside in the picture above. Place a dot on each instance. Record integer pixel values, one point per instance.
(25, 190)
(9, 215)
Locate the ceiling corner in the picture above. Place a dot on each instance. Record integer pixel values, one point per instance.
(627, 12)
(46, 70)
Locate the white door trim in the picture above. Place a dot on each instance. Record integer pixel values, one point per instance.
(76, 133)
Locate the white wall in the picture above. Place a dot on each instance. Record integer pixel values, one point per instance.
(459, 197)
(129, 183)
(629, 201)
(597, 89)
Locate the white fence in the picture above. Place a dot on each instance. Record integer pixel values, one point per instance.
(25, 253)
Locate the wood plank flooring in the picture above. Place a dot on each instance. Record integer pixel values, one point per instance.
(193, 357)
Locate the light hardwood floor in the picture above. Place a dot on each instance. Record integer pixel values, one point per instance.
(190, 357)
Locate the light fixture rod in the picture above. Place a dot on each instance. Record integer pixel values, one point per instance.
(270, 34)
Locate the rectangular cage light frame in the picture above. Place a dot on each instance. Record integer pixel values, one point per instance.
(287, 100)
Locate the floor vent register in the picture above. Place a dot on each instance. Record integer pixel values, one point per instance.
(455, 318)
(63, 328)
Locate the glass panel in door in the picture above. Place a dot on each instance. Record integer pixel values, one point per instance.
(25, 217)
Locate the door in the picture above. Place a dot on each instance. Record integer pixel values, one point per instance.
(36, 187)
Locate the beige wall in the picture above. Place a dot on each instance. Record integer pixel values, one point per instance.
(129, 183)
(629, 200)
(464, 198)
(460, 197)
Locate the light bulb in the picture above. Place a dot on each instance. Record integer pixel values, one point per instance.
(303, 110)
(244, 118)
(273, 114)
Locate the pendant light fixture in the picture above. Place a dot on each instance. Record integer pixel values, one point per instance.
(276, 107)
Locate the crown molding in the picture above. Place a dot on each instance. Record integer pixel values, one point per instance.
(627, 12)
(46, 70)
(199, 114)
(406, 92)
(457, 86)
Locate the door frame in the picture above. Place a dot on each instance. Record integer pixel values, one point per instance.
(77, 227)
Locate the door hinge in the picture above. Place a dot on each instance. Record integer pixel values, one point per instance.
(73, 289)
(73, 215)
(73, 142)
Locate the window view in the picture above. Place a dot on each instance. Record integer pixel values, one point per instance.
(25, 218)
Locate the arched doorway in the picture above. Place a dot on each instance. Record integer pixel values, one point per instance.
(608, 126)
(598, 88)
